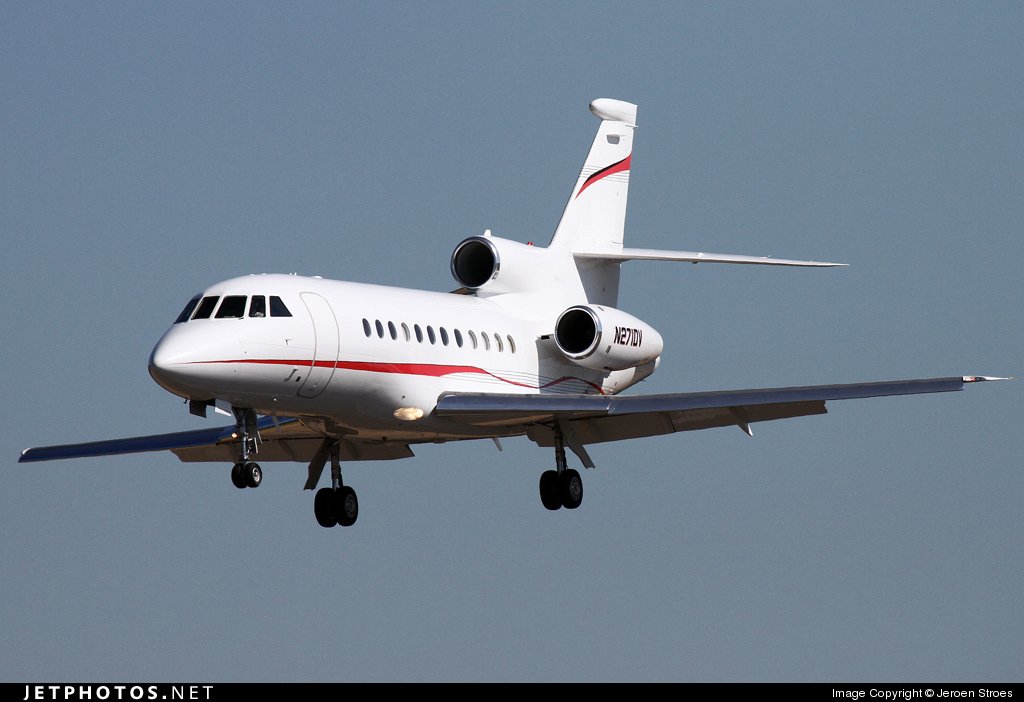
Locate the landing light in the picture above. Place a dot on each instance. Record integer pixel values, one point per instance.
(408, 414)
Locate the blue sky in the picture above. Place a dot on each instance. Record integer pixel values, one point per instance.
(150, 150)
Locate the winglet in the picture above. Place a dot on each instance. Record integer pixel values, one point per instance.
(983, 378)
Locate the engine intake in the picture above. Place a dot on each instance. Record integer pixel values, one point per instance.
(490, 265)
(604, 338)
(475, 262)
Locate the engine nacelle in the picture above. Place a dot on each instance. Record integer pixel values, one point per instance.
(604, 338)
(491, 265)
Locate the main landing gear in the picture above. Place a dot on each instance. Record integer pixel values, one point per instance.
(562, 487)
(337, 504)
(246, 473)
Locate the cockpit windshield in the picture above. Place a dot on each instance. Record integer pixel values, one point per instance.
(258, 308)
(206, 307)
(277, 308)
(232, 307)
(187, 312)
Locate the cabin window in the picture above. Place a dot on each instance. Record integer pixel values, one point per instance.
(430, 334)
(497, 342)
(277, 307)
(419, 333)
(187, 312)
(366, 328)
(206, 307)
(258, 306)
(444, 336)
(511, 344)
(233, 307)
(458, 338)
(380, 329)
(472, 338)
(405, 331)
(487, 342)
(392, 331)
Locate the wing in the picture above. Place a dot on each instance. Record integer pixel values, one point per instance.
(284, 439)
(592, 419)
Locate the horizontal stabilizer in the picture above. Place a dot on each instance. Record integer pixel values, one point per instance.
(697, 257)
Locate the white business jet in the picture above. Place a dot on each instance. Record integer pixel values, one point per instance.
(319, 371)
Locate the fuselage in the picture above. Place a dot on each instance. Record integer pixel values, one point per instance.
(364, 360)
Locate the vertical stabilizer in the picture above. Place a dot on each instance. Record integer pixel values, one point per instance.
(594, 218)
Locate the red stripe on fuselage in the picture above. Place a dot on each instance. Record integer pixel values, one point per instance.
(622, 165)
(432, 370)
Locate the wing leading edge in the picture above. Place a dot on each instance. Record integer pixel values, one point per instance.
(599, 418)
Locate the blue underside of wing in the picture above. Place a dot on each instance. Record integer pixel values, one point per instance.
(140, 444)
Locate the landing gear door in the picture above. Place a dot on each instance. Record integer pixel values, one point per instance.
(325, 347)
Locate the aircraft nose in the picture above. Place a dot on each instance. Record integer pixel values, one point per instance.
(188, 361)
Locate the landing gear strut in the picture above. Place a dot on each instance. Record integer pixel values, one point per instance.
(562, 487)
(337, 504)
(246, 473)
